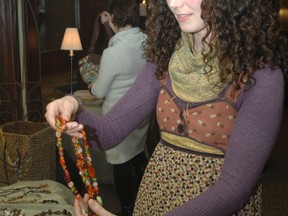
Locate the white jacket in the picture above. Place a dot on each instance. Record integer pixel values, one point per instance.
(119, 66)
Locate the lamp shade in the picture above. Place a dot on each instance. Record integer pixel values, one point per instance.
(283, 14)
(143, 8)
(71, 40)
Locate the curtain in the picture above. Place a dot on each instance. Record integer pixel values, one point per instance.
(20, 92)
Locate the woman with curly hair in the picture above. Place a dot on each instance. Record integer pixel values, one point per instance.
(215, 76)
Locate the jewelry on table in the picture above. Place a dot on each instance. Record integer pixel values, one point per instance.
(83, 163)
(25, 198)
(12, 212)
(50, 201)
(50, 212)
(20, 212)
(24, 194)
(25, 189)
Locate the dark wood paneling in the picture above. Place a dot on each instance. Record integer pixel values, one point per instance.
(10, 86)
(32, 62)
(59, 15)
(16, 92)
(84, 12)
(56, 61)
(88, 11)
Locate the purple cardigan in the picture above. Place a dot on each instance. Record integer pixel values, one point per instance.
(254, 133)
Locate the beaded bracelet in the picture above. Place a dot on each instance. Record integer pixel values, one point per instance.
(12, 212)
(83, 163)
(49, 201)
(26, 194)
(20, 212)
(26, 198)
(50, 212)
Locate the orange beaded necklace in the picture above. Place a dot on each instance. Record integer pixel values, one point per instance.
(83, 163)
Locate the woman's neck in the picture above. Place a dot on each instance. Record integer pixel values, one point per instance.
(198, 44)
(127, 27)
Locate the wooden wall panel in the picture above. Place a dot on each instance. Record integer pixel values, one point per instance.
(12, 95)
(32, 62)
(10, 86)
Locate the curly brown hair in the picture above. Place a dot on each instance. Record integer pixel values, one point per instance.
(246, 34)
(125, 12)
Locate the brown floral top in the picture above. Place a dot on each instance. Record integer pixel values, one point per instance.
(207, 125)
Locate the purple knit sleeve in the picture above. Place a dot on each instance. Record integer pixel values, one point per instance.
(105, 132)
(254, 133)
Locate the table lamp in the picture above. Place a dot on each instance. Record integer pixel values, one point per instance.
(143, 9)
(71, 41)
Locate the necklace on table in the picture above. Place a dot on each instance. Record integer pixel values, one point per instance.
(83, 163)
(25, 198)
(26, 194)
(50, 212)
(12, 212)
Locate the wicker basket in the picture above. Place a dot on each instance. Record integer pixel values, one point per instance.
(27, 152)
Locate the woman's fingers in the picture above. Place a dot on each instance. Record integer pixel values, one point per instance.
(105, 16)
(53, 109)
(80, 208)
(98, 209)
(74, 129)
(65, 107)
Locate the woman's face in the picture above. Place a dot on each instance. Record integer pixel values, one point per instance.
(188, 14)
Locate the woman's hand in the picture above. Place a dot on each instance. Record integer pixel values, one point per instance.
(80, 207)
(105, 17)
(65, 107)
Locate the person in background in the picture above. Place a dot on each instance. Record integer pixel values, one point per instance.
(119, 66)
(215, 76)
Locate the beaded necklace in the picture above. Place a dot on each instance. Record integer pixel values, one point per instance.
(83, 163)
(25, 194)
(50, 212)
(12, 212)
(25, 198)
(20, 212)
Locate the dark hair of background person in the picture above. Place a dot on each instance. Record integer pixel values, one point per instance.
(125, 12)
(247, 37)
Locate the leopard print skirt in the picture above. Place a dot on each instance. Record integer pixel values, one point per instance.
(173, 176)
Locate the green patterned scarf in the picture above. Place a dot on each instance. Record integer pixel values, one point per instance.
(186, 70)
